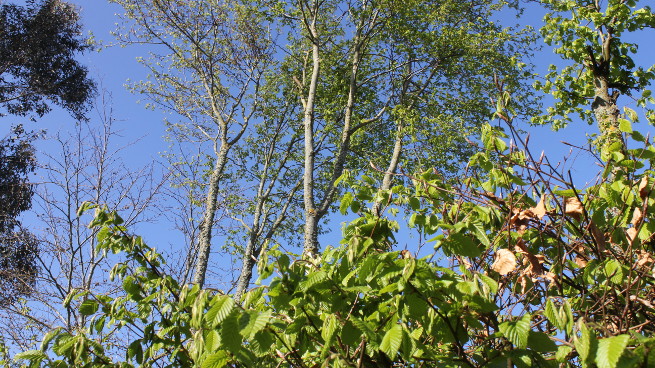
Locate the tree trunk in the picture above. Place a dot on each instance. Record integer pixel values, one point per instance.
(391, 170)
(311, 216)
(607, 112)
(204, 241)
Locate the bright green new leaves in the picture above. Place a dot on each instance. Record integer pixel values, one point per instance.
(517, 331)
(610, 351)
(591, 37)
(392, 340)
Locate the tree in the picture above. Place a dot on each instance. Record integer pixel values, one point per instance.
(589, 37)
(352, 72)
(18, 247)
(82, 165)
(212, 61)
(38, 43)
(376, 81)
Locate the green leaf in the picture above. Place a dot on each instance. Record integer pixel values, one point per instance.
(230, 335)
(586, 343)
(478, 229)
(32, 355)
(391, 341)
(517, 331)
(48, 338)
(614, 271)
(610, 351)
(220, 309)
(462, 245)
(345, 203)
(313, 279)
(257, 322)
(135, 350)
(630, 113)
(216, 360)
(562, 354)
(329, 327)
(541, 342)
(88, 307)
(625, 126)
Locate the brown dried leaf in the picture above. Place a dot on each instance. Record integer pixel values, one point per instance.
(533, 265)
(519, 221)
(466, 263)
(637, 217)
(644, 189)
(631, 233)
(644, 258)
(540, 209)
(504, 262)
(523, 281)
(406, 254)
(598, 235)
(550, 276)
(573, 207)
(580, 261)
(520, 246)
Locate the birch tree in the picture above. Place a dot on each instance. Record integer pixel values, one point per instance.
(372, 75)
(206, 67)
(343, 83)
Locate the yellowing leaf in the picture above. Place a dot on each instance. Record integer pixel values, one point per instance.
(504, 262)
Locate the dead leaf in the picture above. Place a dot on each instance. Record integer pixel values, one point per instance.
(519, 220)
(405, 254)
(504, 262)
(631, 233)
(581, 256)
(532, 262)
(540, 209)
(644, 258)
(637, 217)
(466, 263)
(644, 190)
(520, 246)
(573, 207)
(550, 276)
(523, 281)
(598, 235)
(580, 261)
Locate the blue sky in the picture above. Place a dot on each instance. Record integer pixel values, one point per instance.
(113, 66)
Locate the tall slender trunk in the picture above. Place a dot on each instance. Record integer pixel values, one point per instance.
(606, 112)
(248, 263)
(604, 105)
(391, 170)
(204, 240)
(311, 219)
